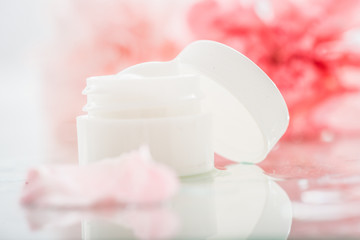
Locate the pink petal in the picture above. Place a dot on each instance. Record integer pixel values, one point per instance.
(130, 178)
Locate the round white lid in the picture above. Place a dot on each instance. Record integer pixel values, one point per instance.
(249, 113)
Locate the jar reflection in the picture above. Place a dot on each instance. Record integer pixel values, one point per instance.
(239, 202)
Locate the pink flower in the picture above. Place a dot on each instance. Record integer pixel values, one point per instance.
(131, 178)
(301, 45)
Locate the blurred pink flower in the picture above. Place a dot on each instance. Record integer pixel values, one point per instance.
(301, 45)
(130, 178)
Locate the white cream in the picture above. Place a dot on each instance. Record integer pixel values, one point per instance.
(128, 110)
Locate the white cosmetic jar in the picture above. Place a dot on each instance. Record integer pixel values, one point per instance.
(241, 115)
(164, 112)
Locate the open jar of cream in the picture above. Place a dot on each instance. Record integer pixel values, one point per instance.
(210, 98)
(164, 112)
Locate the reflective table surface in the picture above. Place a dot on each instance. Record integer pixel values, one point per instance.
(306, 190)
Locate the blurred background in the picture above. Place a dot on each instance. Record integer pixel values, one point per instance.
(48, 49)
(310, 49)
(25, 29)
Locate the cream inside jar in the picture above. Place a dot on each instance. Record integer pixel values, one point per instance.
(164, 112)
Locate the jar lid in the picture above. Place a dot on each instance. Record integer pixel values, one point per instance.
(249, 113)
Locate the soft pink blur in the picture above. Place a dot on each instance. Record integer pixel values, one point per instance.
(130, 178)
